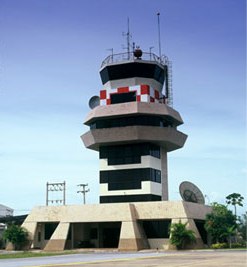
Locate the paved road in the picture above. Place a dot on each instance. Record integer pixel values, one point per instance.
(139, 259)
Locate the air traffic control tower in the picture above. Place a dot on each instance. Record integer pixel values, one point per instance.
(133, 127)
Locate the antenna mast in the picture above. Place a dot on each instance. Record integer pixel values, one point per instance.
(128, 38)
(158, 16)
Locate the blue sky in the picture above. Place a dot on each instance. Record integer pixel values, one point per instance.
(50, 55)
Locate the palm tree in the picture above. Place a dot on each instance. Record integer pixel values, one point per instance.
(180, 235)
(235, 199)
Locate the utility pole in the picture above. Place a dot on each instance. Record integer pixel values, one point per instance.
(83, 191)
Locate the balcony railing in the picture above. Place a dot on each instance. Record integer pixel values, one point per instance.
(115, 58)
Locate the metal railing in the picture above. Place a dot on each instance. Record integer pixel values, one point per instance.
(115, 58)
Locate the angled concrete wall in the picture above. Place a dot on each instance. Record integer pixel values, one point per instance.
(59, 237)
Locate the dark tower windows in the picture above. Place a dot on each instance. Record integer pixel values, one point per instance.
(128, 154)
(133, 69)
(123, 98)
(131, 121)
(130, 178)
(129, 198)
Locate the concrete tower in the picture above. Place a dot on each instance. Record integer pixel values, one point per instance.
(133, 127)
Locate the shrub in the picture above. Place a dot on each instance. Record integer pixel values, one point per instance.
(17, 235)
(219, 245)
(180, 235)
(239, 245)
(225, 245)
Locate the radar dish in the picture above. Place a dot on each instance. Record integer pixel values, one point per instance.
(191, 193)
(94, 102)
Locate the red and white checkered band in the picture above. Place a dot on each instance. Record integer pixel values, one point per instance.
(144, 93)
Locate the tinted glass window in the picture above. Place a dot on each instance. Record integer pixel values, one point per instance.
(129, 198)
(129, 179)
(130, 121)
(123, 98)
(157, 228)
(134, 69)
(128, 154)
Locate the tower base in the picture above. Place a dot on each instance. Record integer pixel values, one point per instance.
(123, 226)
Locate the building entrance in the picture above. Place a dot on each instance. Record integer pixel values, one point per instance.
(95, 235)
(111, 236)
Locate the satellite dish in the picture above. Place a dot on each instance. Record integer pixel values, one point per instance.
(191, 193)
(94, 102)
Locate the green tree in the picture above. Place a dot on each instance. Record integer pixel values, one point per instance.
(218, 222)
(180, 235)
(17, 235)
(235, 199)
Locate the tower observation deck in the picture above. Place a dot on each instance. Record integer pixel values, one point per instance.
(133, 127)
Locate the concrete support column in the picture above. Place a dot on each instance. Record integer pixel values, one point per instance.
(59, 237)
(199, 242)
(31, 228)
(132, 236)
(164, 175)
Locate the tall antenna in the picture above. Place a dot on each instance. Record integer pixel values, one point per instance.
(158, 16)
(128, 36)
